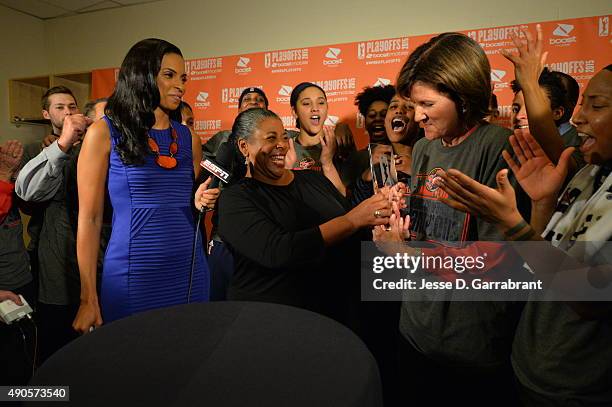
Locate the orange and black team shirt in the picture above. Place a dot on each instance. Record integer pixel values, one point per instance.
(478, 156)
(431, 219)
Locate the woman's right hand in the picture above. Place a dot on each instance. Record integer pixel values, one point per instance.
(89, 316)
(375, 210)
(536, 174)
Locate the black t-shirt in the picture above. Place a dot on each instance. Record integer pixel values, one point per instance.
(279, 253)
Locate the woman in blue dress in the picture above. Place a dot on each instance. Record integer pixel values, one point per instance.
(149, 164)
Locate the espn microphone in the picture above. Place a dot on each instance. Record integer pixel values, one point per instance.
(219, 173)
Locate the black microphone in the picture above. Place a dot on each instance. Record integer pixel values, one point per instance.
(224, 160)
(218, 172)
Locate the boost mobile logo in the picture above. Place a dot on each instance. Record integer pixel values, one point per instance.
(563, 30)
(497, 77)
(333, 57)
(242, 66)
(382, 82)
(243, 62)
(331, 120)
(202, 100)
(284, 93)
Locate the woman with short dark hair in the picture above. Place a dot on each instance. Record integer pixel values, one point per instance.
(463, 347)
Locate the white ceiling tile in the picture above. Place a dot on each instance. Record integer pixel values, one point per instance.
(73, 5)
(130, 2)
(100, 5)
(36, 8)
(46, 9)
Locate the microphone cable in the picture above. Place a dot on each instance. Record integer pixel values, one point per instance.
(193, 253)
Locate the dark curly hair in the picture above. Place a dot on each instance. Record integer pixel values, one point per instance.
(372, 94)
(130, 108)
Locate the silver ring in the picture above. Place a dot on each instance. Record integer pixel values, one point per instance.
(91, 328)
(377, 213)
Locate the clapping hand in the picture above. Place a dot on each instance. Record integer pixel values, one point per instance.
(536, 174)
(11, 153)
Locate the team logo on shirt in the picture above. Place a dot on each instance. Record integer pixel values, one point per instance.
(306, 163)
(430, 183)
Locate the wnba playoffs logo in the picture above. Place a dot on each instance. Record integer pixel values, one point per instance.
(430, 184)
(267, 60)
(361, 50)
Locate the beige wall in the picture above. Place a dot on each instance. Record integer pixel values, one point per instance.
(22, 54)
(222, 27)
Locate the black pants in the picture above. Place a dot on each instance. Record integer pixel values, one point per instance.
(17, 345)
(426, 382)
(54, 327)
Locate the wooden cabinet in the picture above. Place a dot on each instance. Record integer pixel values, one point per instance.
(24, 99)
(25, 94)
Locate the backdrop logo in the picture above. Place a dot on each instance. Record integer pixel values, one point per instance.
(243, 62)
(382, 82)
(361, 50)
(242, 66)
(207, 125)
(232, 95)
(331, 120)
(204, 66)
(573, 67)
(283, 61)
(562, 32)
(284, 93)
(333, 57)
(495, 35)
(288, 121)
(382, 48)
(497, 77)
(359, 121)
(202, 101)
(604, 26)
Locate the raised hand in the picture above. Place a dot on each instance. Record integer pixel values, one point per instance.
(344, 140)
(536, 174)
(73, 130)
(11, 153)
(328, 145)
(529, 61)
(291, 156)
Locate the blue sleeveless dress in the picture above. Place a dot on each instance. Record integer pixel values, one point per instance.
(148, 259)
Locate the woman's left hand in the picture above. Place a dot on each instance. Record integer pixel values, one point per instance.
(497, 205)
(328, 145)
(529, 62)
(206, 198)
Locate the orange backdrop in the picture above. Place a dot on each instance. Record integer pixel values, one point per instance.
(579, 47)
